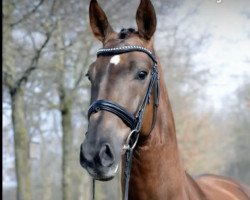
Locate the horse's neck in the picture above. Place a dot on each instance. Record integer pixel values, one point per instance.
(157, 172)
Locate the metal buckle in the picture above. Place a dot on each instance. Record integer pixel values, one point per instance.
(127, 145)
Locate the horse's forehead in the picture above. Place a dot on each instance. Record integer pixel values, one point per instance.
(120, 61)
(107, 64)
(115, 41)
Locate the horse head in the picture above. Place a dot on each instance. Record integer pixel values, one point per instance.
(120, 78)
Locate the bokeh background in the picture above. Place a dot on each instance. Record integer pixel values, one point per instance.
(204, 47)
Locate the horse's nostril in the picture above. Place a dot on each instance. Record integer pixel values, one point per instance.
(106, 156)
(82, 160)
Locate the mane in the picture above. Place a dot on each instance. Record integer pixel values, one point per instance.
(126, 32)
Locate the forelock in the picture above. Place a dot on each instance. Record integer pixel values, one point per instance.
(126, 32)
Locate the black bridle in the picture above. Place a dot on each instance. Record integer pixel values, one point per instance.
(131, 120)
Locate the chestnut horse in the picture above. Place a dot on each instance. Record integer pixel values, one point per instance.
(122, 84)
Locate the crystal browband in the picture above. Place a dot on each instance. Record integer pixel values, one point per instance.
(125, 49)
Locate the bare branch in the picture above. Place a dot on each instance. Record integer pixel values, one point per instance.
(27, 15)
(33, 41)
(33, 64)
(86, 60)
(7, 78)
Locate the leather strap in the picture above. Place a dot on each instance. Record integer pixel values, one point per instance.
(114, 108)
(125, 49)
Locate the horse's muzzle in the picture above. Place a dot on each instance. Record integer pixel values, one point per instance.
(101, 164)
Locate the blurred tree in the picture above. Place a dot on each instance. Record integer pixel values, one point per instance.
(15, 77)
(238, 126)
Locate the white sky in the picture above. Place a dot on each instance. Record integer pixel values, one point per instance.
(228, 49)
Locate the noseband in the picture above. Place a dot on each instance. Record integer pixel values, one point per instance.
(134, 122)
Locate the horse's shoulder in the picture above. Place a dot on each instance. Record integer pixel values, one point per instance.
(222, 184)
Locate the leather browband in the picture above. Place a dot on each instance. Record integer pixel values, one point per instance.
(125, 49)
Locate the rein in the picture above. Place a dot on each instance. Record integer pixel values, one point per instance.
(134, 122)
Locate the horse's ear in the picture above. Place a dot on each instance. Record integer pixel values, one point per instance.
(98, 21)
(146, 19)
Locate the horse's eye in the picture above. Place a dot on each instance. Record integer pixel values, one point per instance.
(141, 75)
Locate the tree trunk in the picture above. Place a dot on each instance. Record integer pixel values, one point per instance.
(46, 173)
(21, 139)
(65, 111)
(67, 140)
